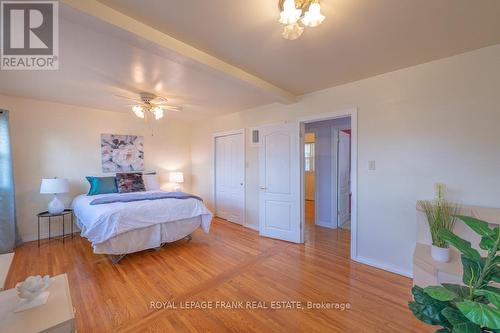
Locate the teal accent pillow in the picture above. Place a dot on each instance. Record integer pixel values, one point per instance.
(102, 185)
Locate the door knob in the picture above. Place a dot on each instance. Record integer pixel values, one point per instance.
(263, 188)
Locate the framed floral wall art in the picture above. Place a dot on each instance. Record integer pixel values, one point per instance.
(122, 153)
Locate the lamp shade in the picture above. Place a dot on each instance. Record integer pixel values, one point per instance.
(54, 185)
(176, 177)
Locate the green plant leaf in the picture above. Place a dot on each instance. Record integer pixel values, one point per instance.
(443, 330)
(488, 242)
(493, 289)
(440, 293)
(428, 309)
(493, 274)
(460, 323)
(472, 271)
(480, 227)
(493, 297)
(461, 244)
(480, 314)
(461, 291)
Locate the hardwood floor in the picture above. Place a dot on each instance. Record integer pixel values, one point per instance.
(232, 263)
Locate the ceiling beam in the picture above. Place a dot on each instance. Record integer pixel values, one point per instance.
(116, 18)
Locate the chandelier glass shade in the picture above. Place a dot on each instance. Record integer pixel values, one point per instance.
(313, 17)
(293, 12)
(140, 111)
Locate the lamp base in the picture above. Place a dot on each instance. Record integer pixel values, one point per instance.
(56, 206)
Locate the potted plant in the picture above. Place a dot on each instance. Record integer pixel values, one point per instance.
(440, 216)
(475, 306)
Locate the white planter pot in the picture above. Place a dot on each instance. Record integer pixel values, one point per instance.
(440, 254)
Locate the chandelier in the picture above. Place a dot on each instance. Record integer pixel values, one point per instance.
(307, 12)
(150, 105)
(140, 111)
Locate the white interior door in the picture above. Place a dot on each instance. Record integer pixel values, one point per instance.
(344, 177)
(279, 181)
(229, 177)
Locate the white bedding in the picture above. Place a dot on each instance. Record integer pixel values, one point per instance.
(101, 223)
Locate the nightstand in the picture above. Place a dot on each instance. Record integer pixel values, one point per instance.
(50, 217)
(57, 315)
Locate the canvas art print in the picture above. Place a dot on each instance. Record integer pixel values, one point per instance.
(122, 153)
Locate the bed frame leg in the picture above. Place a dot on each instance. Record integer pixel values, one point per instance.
(117, 258)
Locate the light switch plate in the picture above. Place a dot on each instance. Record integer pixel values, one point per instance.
(372, 165)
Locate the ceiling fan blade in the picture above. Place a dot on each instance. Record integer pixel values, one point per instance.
(171, 108)
(129, 98)
(159, 100)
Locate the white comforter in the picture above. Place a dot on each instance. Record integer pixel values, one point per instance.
(100, 223)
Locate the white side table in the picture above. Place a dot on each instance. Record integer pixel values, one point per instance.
(56, 316)
(5, 262)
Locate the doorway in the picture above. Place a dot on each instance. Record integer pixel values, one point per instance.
(229, 176)
(282, 180)
(332, 209)
(327, 173)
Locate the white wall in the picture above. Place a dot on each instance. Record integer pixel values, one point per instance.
(438, 121)
(51, 139)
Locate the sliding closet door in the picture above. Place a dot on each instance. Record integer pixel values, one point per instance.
(229, 177)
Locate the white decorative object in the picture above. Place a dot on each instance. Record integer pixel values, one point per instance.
(177, 178)
(55, 186)
(440, 254)
(57, 315)
(32, 292)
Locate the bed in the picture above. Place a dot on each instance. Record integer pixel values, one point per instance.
(120, 224)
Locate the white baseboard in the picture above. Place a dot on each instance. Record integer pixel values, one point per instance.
(384, 266)
(252, 226)
(326, 225)
(45, 235)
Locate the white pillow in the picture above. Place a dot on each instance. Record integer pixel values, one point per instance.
(151, 182)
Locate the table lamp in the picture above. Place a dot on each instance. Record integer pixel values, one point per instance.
(55, 186)
(176, 177)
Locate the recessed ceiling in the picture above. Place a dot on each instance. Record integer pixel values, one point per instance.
(357, 40)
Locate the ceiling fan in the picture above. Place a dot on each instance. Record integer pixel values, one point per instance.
(150, 103)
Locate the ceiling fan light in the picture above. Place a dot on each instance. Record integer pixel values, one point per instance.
(158, 113)
(313, 17)
(138, 111)
(292, 31)
(290, 13)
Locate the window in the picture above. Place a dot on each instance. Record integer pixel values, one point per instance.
(309, 157)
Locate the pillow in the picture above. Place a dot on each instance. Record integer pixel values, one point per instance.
(151, 182)
(130, 182)
(102, 185)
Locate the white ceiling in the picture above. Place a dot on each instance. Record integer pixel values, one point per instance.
(98, 61)
(358, 39)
